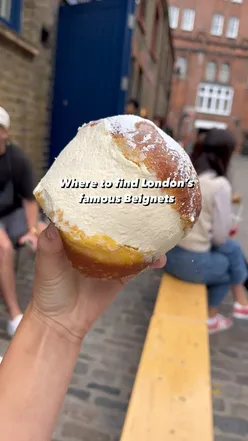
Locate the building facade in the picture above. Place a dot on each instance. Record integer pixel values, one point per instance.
(27, 52)
(26, 49)
(152, 58)
(210, 76)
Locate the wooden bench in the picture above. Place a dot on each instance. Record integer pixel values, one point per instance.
(171, 398)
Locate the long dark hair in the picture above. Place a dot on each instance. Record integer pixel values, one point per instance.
(214, 152)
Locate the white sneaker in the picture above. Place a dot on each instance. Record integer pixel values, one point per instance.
(13, 325)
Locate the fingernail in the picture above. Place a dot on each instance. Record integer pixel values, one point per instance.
(51, 231)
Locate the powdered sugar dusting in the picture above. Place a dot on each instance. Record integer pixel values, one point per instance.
(143, 136)
(147, 138)
(123, 125)
(131, 127)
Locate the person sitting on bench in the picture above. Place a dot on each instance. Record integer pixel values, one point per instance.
(207, 255)
(19, 214)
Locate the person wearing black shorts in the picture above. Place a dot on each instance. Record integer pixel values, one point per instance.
(19, 215)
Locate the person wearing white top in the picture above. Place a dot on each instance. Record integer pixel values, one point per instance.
(207, 255)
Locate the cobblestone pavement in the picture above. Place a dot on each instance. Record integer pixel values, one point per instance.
(97, 399)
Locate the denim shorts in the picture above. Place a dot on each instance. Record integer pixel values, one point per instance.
(219, 268)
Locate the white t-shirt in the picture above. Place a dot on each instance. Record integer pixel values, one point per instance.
(214, 223)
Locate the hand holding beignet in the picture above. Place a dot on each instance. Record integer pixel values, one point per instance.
(123, 236)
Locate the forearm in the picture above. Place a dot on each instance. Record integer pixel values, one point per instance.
(31, 212)
(34, 378)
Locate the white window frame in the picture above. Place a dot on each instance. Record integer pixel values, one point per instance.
(5, 9)
(173, 16)
(188, 19)
(217, 28)
(232, 31)
(209, 100)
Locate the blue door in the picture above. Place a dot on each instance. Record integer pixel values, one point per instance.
(93, 55)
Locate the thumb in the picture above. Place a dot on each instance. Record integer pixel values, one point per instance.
(51, 259)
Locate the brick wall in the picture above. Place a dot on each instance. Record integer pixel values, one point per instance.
(26, 66)
(200, 47)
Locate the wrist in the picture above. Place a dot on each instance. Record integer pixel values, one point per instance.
(34, 230)
(54, 325)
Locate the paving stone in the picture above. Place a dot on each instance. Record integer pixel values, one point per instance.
(127, 337)
(81, 368)
(225, 438)
(135, 320)
(218, 374)
(119, 343)
(231, 425)
(242, 379)
(141, 330)
(127, 381)
(103, 376)
(115, 365)
(79, 411)
(230, 353)
(85, 357)
(230, 390)
(244, 393)
(92, 349)
(115, 422)
(76, 380)
(99, 330)
(107, 389)
(231, 365)
(79, 393)
(134, 312)
(84, 433)
(111, 404)
(239, 410)
(218, 404)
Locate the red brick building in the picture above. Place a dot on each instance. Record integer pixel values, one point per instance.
(210, 80)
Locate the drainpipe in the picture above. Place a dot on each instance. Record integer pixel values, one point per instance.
(159, 69)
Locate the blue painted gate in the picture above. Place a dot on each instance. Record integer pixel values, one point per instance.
(93, 55)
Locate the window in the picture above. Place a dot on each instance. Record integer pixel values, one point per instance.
(232, 27)
(214, 99)
(224, 73)
(188, 20)
(5, 9)
(217, 24)
(10, 13)
(211, 71)
(237, 1)
(173, 16)
(181, 67)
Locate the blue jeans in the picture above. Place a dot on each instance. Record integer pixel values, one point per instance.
(219, 268)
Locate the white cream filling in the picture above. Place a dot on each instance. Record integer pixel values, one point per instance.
(93, 156)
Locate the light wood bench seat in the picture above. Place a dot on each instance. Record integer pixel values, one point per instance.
(171, 398)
